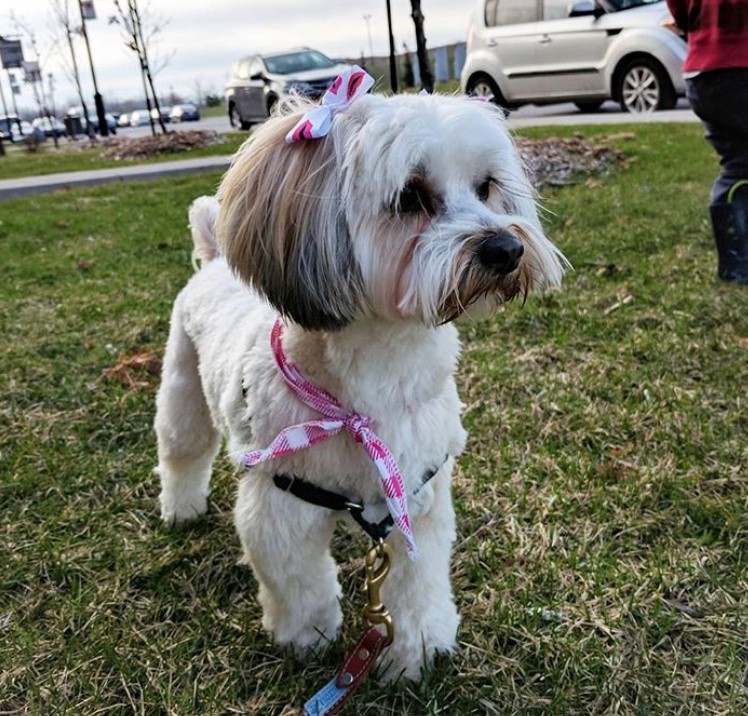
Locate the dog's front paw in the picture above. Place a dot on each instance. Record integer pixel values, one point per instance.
(409, 661)
(313, 633)
(414, 647)
(176, 509)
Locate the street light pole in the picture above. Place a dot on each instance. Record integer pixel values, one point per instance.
(98, 99)
(367, 20)
(52, 93)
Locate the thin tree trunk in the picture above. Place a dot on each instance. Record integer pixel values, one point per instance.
(77, 78)
(427, 78)
(146, 66)
(147, 97)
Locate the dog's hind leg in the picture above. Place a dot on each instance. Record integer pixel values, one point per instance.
(187, 439)
(287, 544)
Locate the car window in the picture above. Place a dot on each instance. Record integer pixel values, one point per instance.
(556, 9)
(628, 4)
(298, 62)
(511, 12)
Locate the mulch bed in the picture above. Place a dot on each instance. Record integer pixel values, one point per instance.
(554, 161)
(129, 149)
(557, 161)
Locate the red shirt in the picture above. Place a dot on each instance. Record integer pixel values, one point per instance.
(717, 33)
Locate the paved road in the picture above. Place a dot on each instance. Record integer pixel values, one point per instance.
(609, 113)
(527, 116)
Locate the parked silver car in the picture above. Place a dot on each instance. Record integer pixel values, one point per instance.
(544, 51)
(258, 81)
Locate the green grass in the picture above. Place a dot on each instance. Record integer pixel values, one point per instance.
(601, 565)
(218, 111)
(68, 158)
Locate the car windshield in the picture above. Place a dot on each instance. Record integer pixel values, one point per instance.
(297, 62)
(628, 4)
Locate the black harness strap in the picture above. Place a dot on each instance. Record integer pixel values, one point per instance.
(333, 501)
(320, 497)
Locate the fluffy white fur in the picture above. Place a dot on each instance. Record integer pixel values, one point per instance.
(370, 242)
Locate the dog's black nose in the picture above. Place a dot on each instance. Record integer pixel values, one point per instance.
(501, 252)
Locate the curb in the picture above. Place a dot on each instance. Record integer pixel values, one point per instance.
(25, 186)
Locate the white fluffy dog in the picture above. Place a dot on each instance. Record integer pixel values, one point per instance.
(368, 242)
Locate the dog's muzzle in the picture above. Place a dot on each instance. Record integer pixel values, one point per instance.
(501, 252)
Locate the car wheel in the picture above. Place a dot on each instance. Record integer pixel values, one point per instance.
(589, 106)
(236, 119)
(483, 86)
(644, 86)
(272, 101)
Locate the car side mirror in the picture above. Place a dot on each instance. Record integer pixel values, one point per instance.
(257, 76)
(585, 7)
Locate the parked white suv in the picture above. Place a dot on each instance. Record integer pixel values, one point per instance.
(544, 51)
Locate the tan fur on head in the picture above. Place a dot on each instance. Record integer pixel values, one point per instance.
(385, 216)
(283, 231)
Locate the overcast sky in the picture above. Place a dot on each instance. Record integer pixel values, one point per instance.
(206, 36)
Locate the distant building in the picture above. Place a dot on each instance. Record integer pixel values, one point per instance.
(447, 62)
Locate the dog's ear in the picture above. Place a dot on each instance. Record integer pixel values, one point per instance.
(282, 227)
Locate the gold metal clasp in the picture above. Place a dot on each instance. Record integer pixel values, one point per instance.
(378, 560)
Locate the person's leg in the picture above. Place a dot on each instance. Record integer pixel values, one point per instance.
(720, 99)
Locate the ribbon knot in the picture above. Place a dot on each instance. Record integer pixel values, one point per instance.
(356, 426)
(334, 419)
(317, 122)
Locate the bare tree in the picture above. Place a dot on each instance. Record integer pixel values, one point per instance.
(37, 85)
(63, 21)
(427, 78)
(139, 28)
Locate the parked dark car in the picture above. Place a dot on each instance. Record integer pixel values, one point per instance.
(16, 130)
(52, 127)
(259, 81)
(164, 112)
(77, 113)
(184, 113)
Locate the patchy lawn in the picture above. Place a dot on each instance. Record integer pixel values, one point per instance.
(601, 565)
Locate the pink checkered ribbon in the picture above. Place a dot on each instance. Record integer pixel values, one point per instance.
(335, 418)
(316, 123)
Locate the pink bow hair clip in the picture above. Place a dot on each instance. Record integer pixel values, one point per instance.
(316, 123)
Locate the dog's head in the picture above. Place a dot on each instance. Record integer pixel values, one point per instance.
(414, 207)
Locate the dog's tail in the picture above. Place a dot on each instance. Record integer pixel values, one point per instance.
(203, 214)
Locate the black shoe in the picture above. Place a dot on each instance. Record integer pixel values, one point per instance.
(730, 225)
(735, 275)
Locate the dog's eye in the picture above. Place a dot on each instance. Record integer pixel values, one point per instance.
(484, 189)
(413, 199)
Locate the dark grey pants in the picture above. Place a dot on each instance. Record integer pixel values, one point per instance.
(720, 100)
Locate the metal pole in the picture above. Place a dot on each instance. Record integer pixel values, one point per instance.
(98, 99)
(15, 106)
(393, 63)
(52, 93)
(2, 95)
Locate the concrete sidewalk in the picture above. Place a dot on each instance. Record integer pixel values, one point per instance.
(23, 186)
